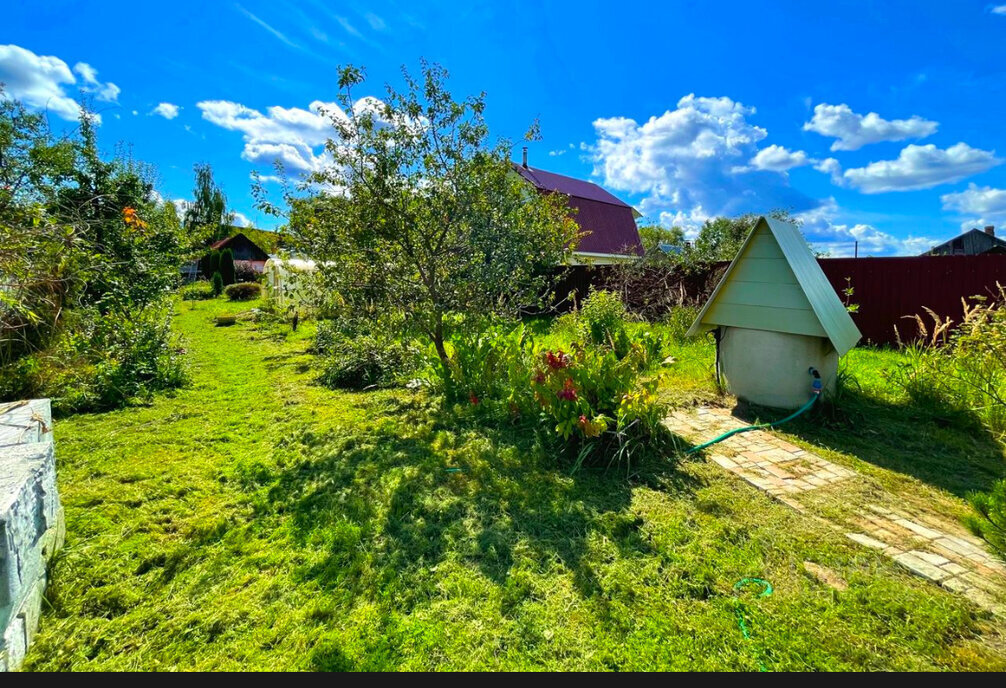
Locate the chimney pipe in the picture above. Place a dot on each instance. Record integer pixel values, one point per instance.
(525, 158)
(990, 230)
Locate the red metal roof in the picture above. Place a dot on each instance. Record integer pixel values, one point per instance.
(608, 224)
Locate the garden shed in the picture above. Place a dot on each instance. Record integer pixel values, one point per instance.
(776, 316)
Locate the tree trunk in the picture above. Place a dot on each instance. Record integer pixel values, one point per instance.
(445, 361)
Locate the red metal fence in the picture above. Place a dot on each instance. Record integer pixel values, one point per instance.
(887, 289)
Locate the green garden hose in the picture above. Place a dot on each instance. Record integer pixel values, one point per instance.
(806, 407)
(740, 609)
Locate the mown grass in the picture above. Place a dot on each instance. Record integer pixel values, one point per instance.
(256, 520)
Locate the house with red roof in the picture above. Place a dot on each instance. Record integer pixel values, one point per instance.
(608, 225)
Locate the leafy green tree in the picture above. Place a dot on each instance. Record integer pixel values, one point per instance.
(207, 217)
(86, 257)
(211, 263)
(653, 236)
(227, 266)
(218, 284)
(430, 220)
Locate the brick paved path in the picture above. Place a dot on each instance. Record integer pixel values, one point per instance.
(924, 542)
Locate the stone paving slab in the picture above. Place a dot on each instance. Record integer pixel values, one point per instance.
(922, 541)
(759, 457)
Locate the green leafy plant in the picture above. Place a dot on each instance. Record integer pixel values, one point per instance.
(227, 266)
(964, 369)
(603, 317)
(601, 402)
(243, 291)
(365, 361)
(989, 519)
(433, 222)
(217, 284)
(197, 291)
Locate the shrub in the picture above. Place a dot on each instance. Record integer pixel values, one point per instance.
(603, 320)
(217, 284)
(245, 272)
(989, 521)
(197, 291)
(963, 370)
(600, 402)
(243, 291)
(595, 401)
(364, 361)
(107, 360)
(211, 263)
(678, 319)
(227, 266)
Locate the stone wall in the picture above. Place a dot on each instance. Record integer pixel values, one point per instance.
(31, 522)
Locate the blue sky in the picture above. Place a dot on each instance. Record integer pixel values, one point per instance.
(876, 121)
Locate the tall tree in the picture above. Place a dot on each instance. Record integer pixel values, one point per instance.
(207, 216)
(421, 215)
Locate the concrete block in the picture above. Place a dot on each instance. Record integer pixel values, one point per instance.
(32, 526)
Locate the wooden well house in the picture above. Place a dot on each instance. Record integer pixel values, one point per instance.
(775, 316)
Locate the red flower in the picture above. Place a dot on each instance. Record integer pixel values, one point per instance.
(568, 391)
(557, 360)
(474, 399)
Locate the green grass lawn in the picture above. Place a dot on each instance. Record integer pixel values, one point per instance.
(255, 520)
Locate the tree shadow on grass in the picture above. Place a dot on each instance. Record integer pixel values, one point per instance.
(949, 449)
(391, 504)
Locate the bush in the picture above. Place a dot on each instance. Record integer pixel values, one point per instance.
(197, 291)
(594, 400)
(962, 370)
(601, 402)
(244, 271)
(365, 361)
(678, 319)
(243, 291)
(210, 264)
(217, 284)
(227, 266)
(603, 320)
(107, 360)
(989, 521)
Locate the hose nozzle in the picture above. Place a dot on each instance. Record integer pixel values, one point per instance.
(816, 386)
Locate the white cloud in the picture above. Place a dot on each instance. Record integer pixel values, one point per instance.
(839, 239)
(105, 92)
(999, 9)
(921, 167)
(166, 110)
(275, 32)
(286, 135)
(976, 199)
(240, 219)
(290, 136)
(181, 207)
(778, 159)
(685, 162)
(376, 22)
(984, 205)
(853, 131)
(38, 81)
(832, 168)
